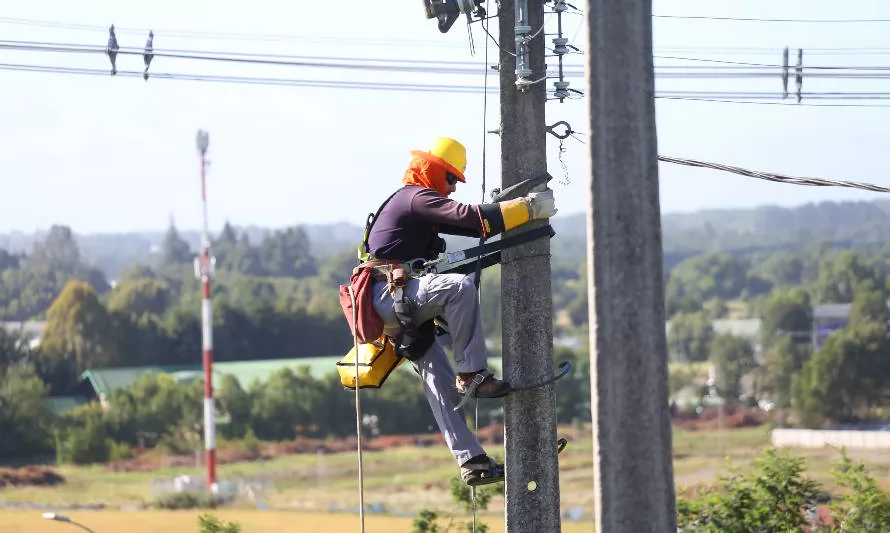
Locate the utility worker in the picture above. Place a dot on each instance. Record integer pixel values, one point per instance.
(405, 234)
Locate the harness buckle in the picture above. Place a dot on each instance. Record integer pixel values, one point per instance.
(420, 266)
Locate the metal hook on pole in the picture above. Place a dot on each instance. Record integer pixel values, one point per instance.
(568, 130)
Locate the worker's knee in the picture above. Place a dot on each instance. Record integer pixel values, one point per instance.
(467, 285)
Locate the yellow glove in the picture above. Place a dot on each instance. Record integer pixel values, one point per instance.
(510, 214)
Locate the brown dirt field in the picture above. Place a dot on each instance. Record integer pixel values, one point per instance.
(734, 416)
(29, 475)
(146, 461)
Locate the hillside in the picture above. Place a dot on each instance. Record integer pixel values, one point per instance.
(742, 231)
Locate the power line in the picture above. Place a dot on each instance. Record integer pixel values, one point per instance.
(787, 104)
(242, 36)
(725, 69)
(769, 176)
(251, 80)
(733, 50)
(256, 60)
(728, 97)
(223, 36)
(91, 48)
(758, 19)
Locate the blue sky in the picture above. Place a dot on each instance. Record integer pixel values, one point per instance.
(110, 154)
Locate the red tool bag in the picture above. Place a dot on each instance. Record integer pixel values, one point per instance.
(364, 322)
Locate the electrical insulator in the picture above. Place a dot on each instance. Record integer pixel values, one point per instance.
(562, 89)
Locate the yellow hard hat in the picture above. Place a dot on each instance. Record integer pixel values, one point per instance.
(451, 152)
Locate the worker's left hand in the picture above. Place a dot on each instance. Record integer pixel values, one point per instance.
(541, 205)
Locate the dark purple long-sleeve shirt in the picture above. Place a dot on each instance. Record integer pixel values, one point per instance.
(408, 227)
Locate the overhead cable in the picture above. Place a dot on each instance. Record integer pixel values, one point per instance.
(725, 69)
(415, 87)
(769, 176)
(759, 19)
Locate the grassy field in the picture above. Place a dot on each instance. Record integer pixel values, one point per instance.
(303, 488)
(250, 521)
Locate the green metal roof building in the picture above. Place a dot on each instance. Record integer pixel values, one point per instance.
(96, 381)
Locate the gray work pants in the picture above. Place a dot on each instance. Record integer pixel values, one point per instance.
(453, 297)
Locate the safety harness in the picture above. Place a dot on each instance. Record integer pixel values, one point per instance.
(414, 339)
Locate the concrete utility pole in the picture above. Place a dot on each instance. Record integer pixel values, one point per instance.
(532, 484)
(633, 470)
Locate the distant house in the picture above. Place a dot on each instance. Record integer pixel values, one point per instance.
(828, 318)
(97, 383)
(59, 404)
(746, 328)
(32, 330)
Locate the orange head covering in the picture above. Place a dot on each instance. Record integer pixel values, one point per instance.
(428, 170)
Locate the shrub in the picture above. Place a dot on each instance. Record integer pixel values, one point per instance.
(212, 524)
(186, 500)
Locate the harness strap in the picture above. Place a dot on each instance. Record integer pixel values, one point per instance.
(364, 251)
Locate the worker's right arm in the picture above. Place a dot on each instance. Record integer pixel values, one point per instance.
(482, 219)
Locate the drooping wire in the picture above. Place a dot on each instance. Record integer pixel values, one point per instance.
(770, 176)
(716, 68)
(757, 19)
(401, 65)
(711, 96)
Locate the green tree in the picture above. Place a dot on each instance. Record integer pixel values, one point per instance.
(287, 253)
(734, 357)
(840, 275)
(140, 297)
(235, 402)
(846, 378)
(159, 408)
(706, 276)
(83, 436)
(690, 335)
(175, 250)
(782, 361)
(787, 313)
(286, 405)
(782, 269)
(869, 305)
(14, 348)
(78, 329)
(25, 417)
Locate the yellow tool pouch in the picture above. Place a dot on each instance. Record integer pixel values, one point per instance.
(376, 361)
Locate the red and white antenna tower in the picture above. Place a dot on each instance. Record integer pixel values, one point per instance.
(204, 267)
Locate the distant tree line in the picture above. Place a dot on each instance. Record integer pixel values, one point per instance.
(159, 411)
(275, 300)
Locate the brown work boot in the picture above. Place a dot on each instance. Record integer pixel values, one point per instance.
(481, 384)
(481, 470)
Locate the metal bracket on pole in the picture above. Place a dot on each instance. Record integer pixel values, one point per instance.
(798, 78)
(785, 73)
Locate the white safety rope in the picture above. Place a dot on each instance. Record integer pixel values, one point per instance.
(358, 416)
(484, 156)
(479, 287)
